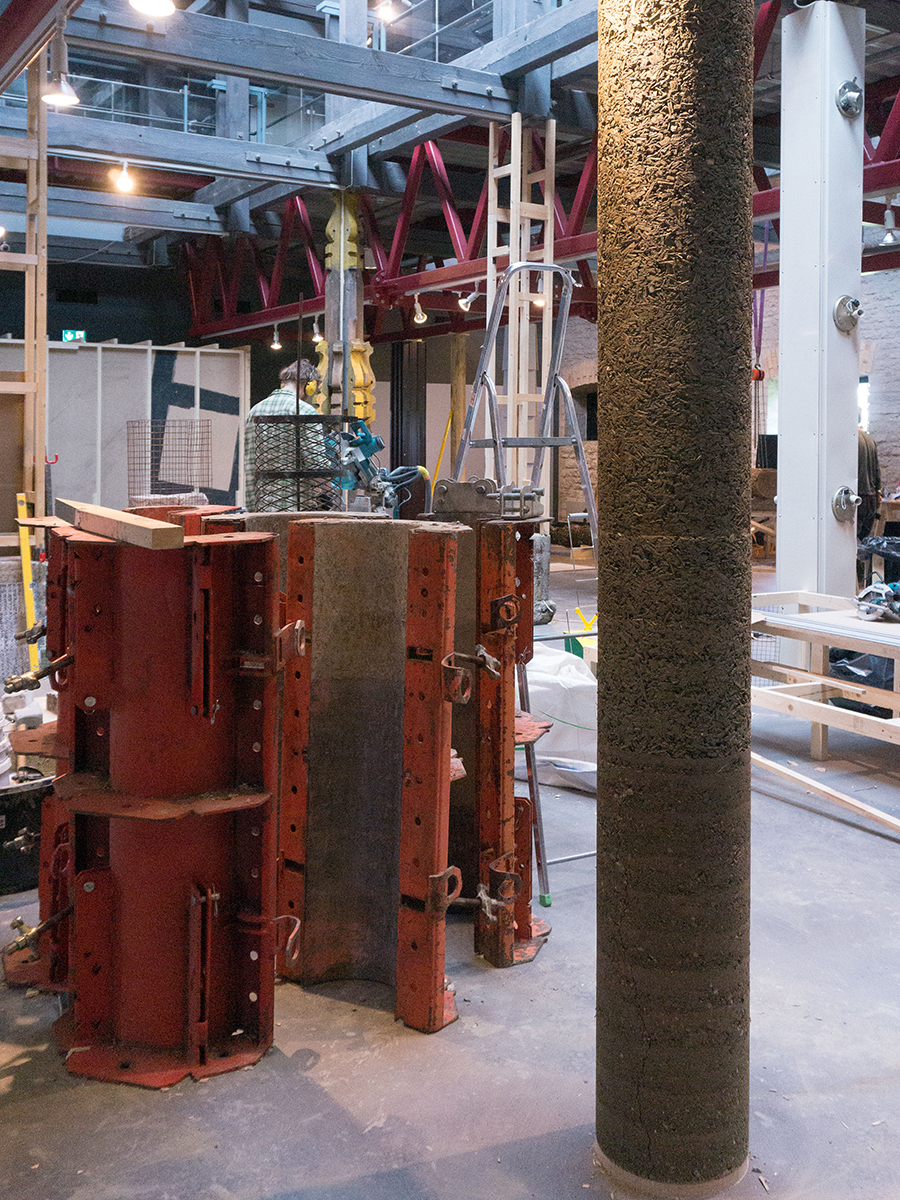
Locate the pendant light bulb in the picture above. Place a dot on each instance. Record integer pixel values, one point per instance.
(466, 302)
(57, 90)
(317, 335)
(420, 316)
(890, 225)
(124, 182)
(276, 343)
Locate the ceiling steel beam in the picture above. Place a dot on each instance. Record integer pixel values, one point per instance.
(299, 60)
(144, 212)
(190, 152)
(388, 129)
(25, 28)
(574, 66)
(171, 150)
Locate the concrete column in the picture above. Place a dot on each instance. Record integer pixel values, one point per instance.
(673, 779)
(818, 376)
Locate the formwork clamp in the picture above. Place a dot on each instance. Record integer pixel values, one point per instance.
(290, 643)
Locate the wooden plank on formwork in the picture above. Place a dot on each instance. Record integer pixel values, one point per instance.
(121, 526)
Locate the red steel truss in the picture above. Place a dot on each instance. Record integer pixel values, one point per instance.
(216, 271)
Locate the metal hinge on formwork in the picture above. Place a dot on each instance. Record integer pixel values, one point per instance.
(290, 643)
(505, 611)
(501, 893)
(458, 679)
(443, 889)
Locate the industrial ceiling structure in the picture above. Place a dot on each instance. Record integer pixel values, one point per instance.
(239, 120)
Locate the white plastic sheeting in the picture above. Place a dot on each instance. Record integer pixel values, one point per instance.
(562, 689)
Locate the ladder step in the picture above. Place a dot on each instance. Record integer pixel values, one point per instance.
(537, 212)
(513, 443)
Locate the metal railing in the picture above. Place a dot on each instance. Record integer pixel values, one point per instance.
(275, 116)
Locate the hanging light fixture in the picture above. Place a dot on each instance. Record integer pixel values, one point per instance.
(891, 237)
(317, 336)
(420, 316)
(466, 302)
(123, 180)
(276, 343)
(57, 90)
(153, 8)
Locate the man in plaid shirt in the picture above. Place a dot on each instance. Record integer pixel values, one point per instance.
(288, 449)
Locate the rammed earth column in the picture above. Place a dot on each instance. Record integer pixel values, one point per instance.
(674, 257)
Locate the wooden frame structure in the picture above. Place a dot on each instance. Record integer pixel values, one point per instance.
(806, 692)
(23, 393)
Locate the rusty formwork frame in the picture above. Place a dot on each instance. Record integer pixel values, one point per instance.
(427, 885)
(506, 932)
(169, 775)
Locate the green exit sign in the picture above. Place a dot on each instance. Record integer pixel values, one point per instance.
(73, 335)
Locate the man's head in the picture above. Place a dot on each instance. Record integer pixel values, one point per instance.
(307, 374)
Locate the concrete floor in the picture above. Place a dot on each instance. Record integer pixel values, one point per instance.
(349, 1105)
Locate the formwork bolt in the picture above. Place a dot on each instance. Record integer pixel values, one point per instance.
(258, 577)
(257, 704)
(90, 701)
(89, 887)
(256, 747)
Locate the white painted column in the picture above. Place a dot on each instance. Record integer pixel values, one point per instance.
(821, 221)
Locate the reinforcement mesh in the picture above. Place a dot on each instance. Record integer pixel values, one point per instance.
(295, 463)
(168, 456)
(13, 654)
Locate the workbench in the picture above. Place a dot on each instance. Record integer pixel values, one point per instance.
(822, 622)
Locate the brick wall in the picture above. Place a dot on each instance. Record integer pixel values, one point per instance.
(579, 368)
(880, 296)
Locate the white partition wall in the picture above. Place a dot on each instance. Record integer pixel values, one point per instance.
(94, 389)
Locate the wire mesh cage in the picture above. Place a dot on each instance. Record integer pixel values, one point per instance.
(166, 457)
(13, 654)
(294, 463)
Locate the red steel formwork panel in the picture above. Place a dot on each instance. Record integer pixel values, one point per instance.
(527, 925)
(365, 777)
(295, 736)
(505, 932)
(427, 884)
(167, 719)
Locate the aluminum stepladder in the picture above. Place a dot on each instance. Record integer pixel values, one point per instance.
(555, 385)
(513, 499)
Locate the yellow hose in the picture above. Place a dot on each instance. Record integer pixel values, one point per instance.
(443, 444)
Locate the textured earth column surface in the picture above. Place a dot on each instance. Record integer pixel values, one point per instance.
(674, 211)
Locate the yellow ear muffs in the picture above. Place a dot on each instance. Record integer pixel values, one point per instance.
(310, 388)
